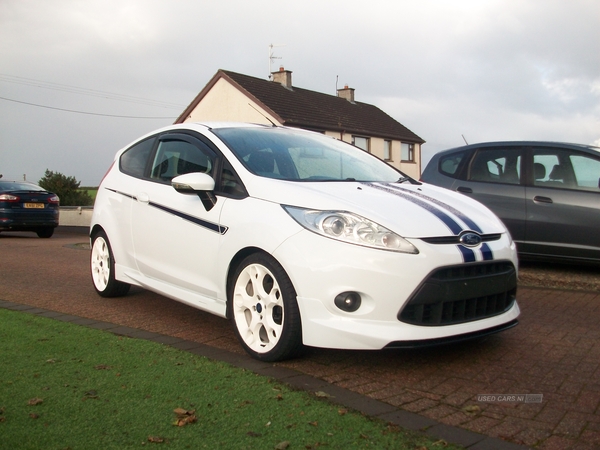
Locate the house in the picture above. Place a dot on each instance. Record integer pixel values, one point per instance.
(231, 96)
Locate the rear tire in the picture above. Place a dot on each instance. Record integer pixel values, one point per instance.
(102, 265)
(45, 232)
(264, 309)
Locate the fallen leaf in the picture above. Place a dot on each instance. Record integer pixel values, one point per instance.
(156, 439)
(90, 394)
(35, 401)
(102, 367)
(279, 397)
(471, 409)
(34, 416)
(322, 394)
(342, 411)
(253, 434)
(282, 445)
(314, 424)
(184, 416)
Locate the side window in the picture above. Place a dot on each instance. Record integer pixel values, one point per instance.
(496, 166)
(449, 164)
(587, 172)
(566, 169)
(176, 157)
(133, 162)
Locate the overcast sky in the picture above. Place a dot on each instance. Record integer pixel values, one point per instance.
(483, 69)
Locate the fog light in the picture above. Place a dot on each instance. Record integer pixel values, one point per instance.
(348, 301)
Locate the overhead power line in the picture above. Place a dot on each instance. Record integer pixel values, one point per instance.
(86, 91)
(82, 112)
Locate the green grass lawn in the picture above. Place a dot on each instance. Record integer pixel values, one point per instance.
(64, 386)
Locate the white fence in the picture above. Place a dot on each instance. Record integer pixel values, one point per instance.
(75, 216)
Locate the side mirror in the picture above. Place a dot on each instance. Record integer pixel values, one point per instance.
(197, 183)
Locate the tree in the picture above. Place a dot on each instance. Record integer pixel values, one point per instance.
(67, 189)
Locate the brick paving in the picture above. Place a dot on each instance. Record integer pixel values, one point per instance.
(554, 351)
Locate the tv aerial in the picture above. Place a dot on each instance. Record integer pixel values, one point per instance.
(272, 57)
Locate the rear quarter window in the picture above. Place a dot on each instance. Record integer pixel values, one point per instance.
(134, 161)
(449, 164)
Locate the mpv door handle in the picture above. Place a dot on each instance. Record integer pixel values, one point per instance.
(540, 199)
(464, 190)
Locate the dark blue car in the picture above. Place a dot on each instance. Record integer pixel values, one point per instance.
(26, 206)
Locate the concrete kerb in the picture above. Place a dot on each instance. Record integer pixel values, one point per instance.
(295, 379)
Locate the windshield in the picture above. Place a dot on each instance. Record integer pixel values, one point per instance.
(299, 156)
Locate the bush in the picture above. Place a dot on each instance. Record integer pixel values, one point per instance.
(67, 188)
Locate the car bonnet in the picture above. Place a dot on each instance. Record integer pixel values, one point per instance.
(409, 210)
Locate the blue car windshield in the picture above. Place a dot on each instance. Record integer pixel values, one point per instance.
(299, 156)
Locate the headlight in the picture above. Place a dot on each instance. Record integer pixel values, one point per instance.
(347, 227)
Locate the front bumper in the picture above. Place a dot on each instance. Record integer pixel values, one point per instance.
(322, 268)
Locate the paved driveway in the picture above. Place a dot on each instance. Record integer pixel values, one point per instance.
(553, 355)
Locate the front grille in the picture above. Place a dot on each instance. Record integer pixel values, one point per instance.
(462, 293)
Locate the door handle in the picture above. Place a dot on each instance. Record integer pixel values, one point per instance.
(142, 197)
(464, 190)
(540, 199)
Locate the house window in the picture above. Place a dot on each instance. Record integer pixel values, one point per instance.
(408, 152)
(387, 150)
(361, 142)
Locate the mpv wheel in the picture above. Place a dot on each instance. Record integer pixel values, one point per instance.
(264, 310)
(103, 270)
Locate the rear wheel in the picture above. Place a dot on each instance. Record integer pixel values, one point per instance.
(102, 264)
(45, 232)
(264, 310)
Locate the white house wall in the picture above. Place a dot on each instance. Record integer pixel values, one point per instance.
(226, 103)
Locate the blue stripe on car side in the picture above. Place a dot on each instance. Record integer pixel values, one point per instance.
(203, 223)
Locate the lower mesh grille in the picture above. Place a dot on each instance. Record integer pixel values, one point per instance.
(463, 293)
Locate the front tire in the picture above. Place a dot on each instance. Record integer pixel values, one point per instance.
(102, 265)
(264, 309)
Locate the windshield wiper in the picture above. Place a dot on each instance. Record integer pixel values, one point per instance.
(405, 179)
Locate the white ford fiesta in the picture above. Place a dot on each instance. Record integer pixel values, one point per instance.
(301, 240)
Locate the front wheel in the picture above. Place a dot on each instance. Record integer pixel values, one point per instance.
(264, 310)
(102, 264)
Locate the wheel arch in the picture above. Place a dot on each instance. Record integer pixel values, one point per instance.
(233, 265)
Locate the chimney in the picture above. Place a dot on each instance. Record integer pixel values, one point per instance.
(283, 77)
(347, 93)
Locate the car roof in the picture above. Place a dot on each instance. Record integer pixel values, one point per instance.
(569, 145)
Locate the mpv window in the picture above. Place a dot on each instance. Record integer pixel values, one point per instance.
(566, 169)
(497, 166)
(449, 164)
